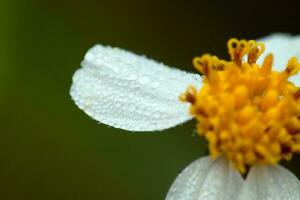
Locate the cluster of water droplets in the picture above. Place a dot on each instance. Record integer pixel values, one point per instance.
(128, 91)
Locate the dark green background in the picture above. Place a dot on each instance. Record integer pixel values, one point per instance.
(49, 149)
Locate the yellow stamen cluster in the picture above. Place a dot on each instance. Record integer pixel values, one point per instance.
(247, 112)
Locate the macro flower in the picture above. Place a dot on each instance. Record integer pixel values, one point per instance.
(247, 108)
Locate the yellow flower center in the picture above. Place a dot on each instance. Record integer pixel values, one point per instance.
(247, 112)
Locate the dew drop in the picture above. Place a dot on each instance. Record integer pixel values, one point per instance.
(144, 80)
(157, 115)
(132, 77)
(90, 56)
(132, 107)
(154, 84)
(115, 69)
(98, 61)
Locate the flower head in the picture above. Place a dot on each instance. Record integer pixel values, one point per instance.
(248, 112)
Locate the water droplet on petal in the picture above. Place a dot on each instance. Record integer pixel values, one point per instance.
(98, 61)
(132, 77)
(155, 84)
(115, 69)
(90, 56)
(144, 80)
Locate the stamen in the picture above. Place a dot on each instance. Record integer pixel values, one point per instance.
(267, 65)
(206, 63)
(256, 50)
(297, 94)
(189, 95)
(249, 113)
(293, 66)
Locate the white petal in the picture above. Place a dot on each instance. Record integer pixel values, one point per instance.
(270, 183)
(131, 92)
(207, 179)
(283, 47)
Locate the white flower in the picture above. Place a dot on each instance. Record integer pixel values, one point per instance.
(131, 92)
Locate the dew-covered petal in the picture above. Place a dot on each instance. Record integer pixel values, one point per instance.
(131, 92)
(283, 47)
(207, 179)
(270, 183)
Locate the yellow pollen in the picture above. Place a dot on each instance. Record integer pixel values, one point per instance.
(247, 112)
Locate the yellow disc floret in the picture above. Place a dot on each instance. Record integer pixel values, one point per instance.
(247, 112)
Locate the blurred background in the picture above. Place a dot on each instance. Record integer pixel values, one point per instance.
(49, 149)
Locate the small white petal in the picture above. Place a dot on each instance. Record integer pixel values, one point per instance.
(131, 92)
(207, 179)
(283, 47)
(270, 183)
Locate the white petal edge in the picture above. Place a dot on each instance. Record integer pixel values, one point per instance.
(207, 179)
(270, 183)
(283, 47)
(128, 91)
